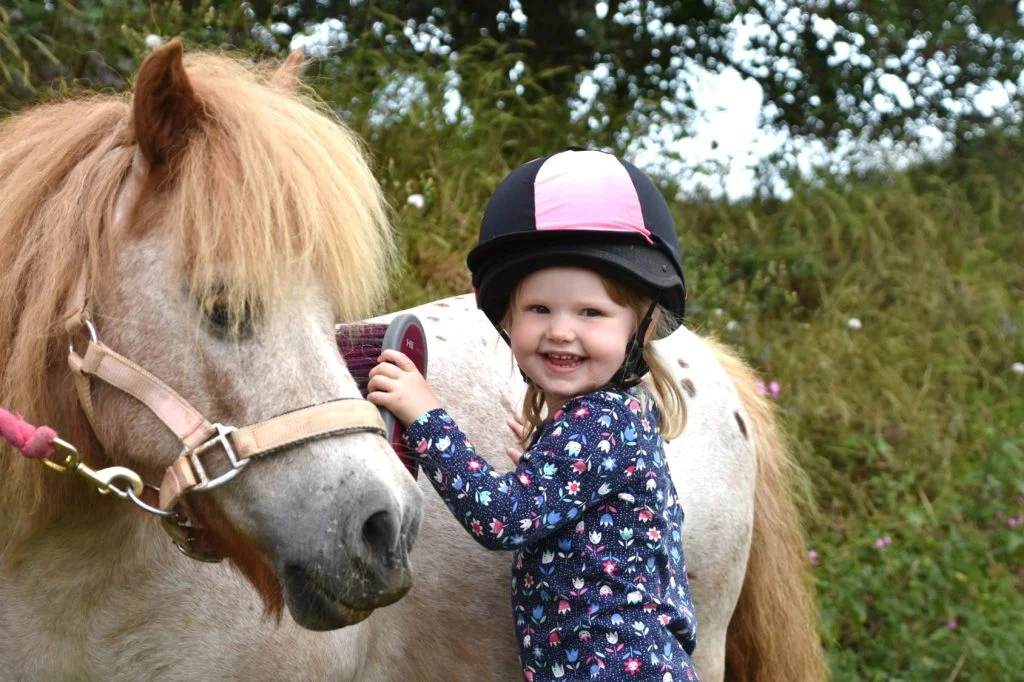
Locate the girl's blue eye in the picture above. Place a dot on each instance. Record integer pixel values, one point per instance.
(537, 309)
(591, 312)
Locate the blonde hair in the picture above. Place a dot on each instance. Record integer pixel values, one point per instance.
(662, 388)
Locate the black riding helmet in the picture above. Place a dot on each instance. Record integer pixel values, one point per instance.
(586, 209)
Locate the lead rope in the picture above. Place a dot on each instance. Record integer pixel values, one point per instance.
(33, 442)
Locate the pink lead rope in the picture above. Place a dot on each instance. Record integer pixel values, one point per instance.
(32, 441)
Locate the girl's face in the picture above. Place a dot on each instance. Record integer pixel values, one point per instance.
(567, 334)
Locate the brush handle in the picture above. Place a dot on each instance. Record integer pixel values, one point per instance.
(405, 333)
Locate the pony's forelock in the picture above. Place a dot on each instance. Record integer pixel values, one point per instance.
(269, 192)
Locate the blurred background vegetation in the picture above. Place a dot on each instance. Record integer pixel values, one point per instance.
(887, 305)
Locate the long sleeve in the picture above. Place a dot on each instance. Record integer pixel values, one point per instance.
(586, 452)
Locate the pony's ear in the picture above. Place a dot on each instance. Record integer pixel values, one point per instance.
(289, 74)
(164, 107)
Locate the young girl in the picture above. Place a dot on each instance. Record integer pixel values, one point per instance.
(578, 267)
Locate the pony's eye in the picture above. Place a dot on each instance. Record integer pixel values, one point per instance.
(223, 324)
(219, 317)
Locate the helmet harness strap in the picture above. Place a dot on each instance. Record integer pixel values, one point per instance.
(634, 367)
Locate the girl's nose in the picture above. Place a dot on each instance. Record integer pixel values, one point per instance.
(560, 329)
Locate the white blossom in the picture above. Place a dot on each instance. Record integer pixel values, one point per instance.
(854, 323)
(415, 200)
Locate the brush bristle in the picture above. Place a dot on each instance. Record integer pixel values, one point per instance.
(360, 345)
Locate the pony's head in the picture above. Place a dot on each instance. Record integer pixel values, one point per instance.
(224, 223)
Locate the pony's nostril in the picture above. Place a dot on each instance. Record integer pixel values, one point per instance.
(380, 534)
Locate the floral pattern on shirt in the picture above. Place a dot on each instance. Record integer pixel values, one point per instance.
(599, 586)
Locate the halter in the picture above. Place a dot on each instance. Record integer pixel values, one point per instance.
(212, 454)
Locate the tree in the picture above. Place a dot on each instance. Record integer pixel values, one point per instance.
(833, 70)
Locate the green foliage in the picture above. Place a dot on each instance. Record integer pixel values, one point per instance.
(51, 52)
(911, 426)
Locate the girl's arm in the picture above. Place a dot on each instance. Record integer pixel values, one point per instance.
(590, 449)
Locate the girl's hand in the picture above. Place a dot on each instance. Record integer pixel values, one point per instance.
(516, 424)
(396, 385)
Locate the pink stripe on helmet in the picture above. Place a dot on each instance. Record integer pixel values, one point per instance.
(587, 190)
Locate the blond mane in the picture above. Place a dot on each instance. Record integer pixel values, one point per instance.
(269, 186)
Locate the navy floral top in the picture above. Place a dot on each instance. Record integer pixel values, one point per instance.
(599, 587)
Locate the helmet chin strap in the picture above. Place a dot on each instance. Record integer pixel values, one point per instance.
(634, 367)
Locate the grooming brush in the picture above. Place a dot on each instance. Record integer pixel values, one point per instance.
(361, 345)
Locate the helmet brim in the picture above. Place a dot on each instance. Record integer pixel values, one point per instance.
(626, 259)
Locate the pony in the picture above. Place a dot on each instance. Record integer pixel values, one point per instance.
(225, 223)
(205, 233)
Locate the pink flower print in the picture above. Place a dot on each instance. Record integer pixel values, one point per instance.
(664, 619)
(581, 412)
(609, 567)
(476, 527)
(572, 487)
(528, 580)
(633, 405)
(473, 464)
(649, 607)
(653, 534)
(585, 635)
(633, 666)
(579, 466)
(422, 445)
(554, 638)
(524, 479)
(497, 527)
(563, 607)
(645, 515)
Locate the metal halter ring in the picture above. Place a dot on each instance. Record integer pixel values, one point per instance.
(93, 335)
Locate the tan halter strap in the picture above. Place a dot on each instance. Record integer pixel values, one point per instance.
(212, 454)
